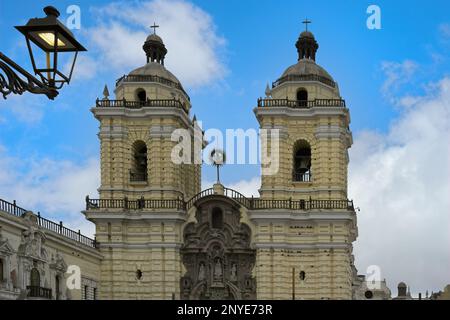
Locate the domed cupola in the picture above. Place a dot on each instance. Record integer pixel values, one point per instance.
(305, 80)
(152, 81)
(154, 48)
(306, 46)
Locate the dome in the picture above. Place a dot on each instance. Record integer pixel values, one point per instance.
(154, 37)
(402, 285)
(154, 69)
(307, 67)
(307, 34)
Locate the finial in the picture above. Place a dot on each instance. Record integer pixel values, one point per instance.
(194, 119)
(105, 93)
(217, 157)
(306, 22)
(154, 26)
(268, 91)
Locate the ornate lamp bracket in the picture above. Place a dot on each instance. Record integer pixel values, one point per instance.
(12, 82)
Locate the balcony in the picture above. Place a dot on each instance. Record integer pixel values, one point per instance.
(166, 103)
(138, 176)
(300, 104)
(39, 292)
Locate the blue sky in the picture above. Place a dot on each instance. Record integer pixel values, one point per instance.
(260, 38)
(381, 74)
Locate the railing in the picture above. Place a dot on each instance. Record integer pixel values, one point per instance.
(17, 211)
(258, 204)
(301, 104)
(230, 193)
(301, 177)
(167, 103)
(304, 77)
(125, 204)
(11, 208)
(149, 78)
(39, 292)
(138, 176)
(249, 203)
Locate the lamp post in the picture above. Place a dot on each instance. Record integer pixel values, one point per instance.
(52, 37)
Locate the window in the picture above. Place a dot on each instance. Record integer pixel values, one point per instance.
(95, 293)
(302, 275)
(302, 98)
(141, 95)
(35, 278)
(138, 170)
(138, 274)
(368, 294)
(86, 293)
(217, 218)
(302, 162)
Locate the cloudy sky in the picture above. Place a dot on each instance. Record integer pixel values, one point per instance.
(395, 80)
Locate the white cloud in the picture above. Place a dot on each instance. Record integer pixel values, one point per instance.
(85, 68)
(26, 108)
(248, 188)
(397, 74)
(56, 188)
(188, 32)
(445, 30)
(400, 180)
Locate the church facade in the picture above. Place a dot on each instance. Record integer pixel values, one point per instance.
(159, 236)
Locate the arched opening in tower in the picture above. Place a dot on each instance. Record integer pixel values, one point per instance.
(141, 95)
(302, 97)
(302, 162)
(138, 170)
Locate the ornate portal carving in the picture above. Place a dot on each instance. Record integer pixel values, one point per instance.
(217, 253)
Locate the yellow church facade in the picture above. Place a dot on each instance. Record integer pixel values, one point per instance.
(159, 236)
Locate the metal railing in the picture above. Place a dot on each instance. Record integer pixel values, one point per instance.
(17, 211)
(150, 78)
(304, 77)
(301, 104)
(249, 203)
(166, 103)
(39, 292)
(11, 208)
(138, 176)
(301, 176)
(126, 204)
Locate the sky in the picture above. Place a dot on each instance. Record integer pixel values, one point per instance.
(395, 81)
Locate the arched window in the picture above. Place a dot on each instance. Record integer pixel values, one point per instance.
(217, 218)
(138, 171)
(141, 95)
(302, 98)
(302, 162)
(35, 278)
(302, 275)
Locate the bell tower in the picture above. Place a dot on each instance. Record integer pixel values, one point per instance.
(304, 223)
(307, 108)
(141, 208)
(135, 133)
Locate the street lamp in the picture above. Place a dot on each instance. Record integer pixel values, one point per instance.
(52, 37)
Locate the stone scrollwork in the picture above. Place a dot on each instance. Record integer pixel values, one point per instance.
(217, 254)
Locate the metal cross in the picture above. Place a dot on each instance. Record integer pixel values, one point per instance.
(306, 22)
(154, 26)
